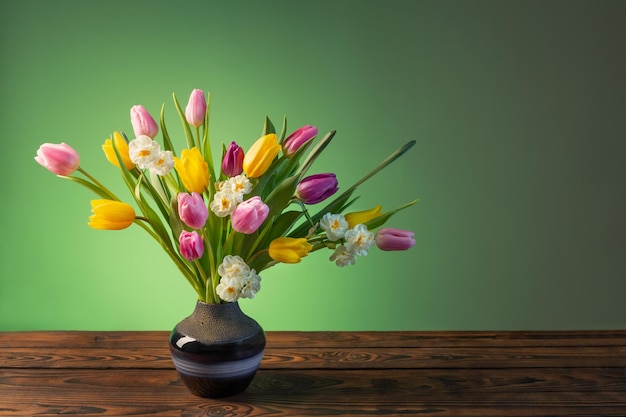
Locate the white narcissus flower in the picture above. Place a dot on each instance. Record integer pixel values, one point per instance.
(233, 266)
(335, 226)
(237, 279)
(224, 203)
(239, 185)
(164, 164)
(228, 289)
(250, 285)
(144, 151)
(342, 256)
(359, 240)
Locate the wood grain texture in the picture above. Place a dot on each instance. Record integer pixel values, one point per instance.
(324, 373)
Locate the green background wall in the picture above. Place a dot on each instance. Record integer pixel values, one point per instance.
(518, 109)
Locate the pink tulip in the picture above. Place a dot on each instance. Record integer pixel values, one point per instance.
(60, 159)
(316, 188)
(249, 215)
(143, 123)
(191, 245)
(196, 108)
(232, 164)
(394, 239)
(298, 138)
(192, 210)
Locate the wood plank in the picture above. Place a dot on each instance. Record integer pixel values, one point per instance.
(282, 339)
(350, 358)
(530, 392)
(420, 339)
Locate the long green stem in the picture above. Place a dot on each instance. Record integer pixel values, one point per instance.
(210, 284)
(198, 141)
(255, 255)
(98, 184)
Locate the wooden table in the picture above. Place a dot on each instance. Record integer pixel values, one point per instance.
(325, 373)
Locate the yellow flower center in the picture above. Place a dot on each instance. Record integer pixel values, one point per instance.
(144, 152)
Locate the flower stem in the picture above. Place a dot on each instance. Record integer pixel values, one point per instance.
(104, 189)
(251, 259)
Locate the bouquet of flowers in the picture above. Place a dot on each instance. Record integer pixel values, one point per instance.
(222, 225)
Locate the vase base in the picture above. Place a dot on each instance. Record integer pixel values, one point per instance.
(216, 387)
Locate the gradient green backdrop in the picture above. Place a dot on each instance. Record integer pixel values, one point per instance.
(518, 109)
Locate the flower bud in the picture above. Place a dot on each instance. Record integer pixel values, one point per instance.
(249, 215)
(362, 217)
(192, 210)
(143, 123)
(191, 245)
(110, 215)
(232, 165)
(298, 138)
(260, 156)
(316, 188)
(60, 159)
(122, 147)
(289, 250)
(394, 239)
(192, 170)
(196, 108)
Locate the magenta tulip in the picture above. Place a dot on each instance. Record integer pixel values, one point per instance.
(143, 123)
(316, 188)
(298, 138)
(60, 159)
(196, 108)
(191, 245)
(394, 239)
(232, 164)
(192, 210)
(249, 215)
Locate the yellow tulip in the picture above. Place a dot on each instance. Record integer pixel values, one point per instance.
(260, 156)
(192, 170)
(289, 250)
(110, 215)
(122, 148)
(362, 217)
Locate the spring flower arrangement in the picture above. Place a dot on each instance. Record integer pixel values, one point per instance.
(223, 224)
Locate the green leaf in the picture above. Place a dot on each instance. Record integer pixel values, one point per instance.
(282, 224)
(167, 143)
(268, 127)
(294, 162)
(175, 223)
(315, 152)
(183, 119)
(283, 130)
(281, 195)
(88, 185)
(206, 141)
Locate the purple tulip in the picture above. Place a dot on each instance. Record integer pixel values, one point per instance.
(249, 215)
(232, 164)
(394, 239)
(298, 138)
(143, 123)
(191, 245)
(60, 159)
(316, 188)
(196, 108)
(192, 210)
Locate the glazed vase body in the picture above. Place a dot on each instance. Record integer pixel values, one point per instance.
(217, 349)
